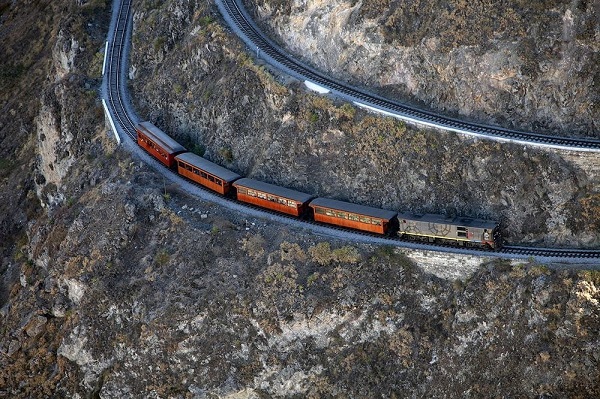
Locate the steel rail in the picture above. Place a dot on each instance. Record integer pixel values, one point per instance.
(117, 103)
(116, 84)
(242, 24)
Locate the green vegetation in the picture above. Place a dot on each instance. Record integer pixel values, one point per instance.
(161, 258)
(226, 154)
(159, 44)
(177, 88)
(254, 245)
(198, 149)
(593, 276)
(11, 72)
(323, 255)
(205, 20)
(6, 164)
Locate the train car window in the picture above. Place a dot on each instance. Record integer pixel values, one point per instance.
(320, 211)
(291, 203)
(242, 190)
(261, 195)
(282, 201)
(365, 220)
(196, 171)
(353, 217)
(342, 215)
(252, 193)
(181, 164)
(188, 167)
(203, 175)
(271, 198)
(210, 178)
(219, 182)
(329, 212)
(376, 222)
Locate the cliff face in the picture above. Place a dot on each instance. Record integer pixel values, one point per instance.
(520, 64)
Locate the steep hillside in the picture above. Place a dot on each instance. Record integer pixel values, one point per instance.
(114, 283)
(531, 65)
(194, 80)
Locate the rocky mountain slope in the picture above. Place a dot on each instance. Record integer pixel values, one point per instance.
(531, 65)
(195, 81)
(116, 284)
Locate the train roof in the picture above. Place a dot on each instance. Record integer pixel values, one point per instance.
(273, 189)
(458, 221)
(161, 138)
(353, 208)
(208, 166)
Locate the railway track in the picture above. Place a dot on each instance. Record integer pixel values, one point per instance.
(241, 23)
(116, 71)
(117, 103)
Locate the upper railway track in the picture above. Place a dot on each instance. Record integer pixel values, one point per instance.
(124, 120)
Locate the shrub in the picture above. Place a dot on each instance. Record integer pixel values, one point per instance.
(159, 43)
(291, 251)
(346, 255)
(227, 154)
(254, 245)
(321, 253)
(161, 258)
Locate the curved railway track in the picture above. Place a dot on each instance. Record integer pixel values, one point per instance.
(241, 23)
(119, 111)
(116, 71)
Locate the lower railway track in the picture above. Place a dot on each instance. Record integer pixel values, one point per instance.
(125, 122)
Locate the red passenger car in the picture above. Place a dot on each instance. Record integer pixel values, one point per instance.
(206, 173)
(355, 216)
(269, 196)
(158, 143)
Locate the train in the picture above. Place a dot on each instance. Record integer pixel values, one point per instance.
(430, 228)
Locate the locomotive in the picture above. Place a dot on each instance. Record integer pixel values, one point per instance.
(430, 228)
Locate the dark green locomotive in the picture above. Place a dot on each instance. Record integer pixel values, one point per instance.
(460, 231)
